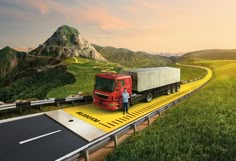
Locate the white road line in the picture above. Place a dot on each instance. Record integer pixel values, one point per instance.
(38, 137)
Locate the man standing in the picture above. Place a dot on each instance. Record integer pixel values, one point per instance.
(125, 99)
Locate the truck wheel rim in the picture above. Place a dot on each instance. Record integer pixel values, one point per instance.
(149, 97)
(177, 89)
(168, 91)
(173, 90)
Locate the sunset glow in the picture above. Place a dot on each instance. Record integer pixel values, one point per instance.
(153, 26)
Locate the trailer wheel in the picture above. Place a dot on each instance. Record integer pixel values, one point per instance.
(177, 88)
(168, 92)
(173, 90)
(148, 97)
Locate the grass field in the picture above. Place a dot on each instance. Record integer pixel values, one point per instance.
(211, 54)
(84, 71)
(200, 128)
(190, 73)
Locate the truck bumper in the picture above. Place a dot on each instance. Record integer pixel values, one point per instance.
(106, 105)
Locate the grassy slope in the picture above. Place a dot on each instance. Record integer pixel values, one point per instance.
(209, 55)
(27, 77)
(84, 71)
(201, 128)
(37, 85)
(190, 73)
(9, 58)
(132, 59)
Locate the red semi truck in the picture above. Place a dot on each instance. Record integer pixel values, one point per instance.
(141, 84)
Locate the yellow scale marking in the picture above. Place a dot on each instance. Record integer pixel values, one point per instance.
(111, 120)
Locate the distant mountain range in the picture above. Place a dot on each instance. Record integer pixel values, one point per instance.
(211, 54)
(130, 58)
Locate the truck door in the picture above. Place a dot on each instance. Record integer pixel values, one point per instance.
(128, 85)
(119, 89)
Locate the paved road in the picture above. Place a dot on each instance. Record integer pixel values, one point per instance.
(36, 139)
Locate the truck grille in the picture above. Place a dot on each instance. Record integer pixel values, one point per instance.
(101, 96)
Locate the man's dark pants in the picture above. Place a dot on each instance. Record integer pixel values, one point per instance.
(125, 107)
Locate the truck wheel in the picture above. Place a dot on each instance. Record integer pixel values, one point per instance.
(168, 92)
(173, 90)
(148, 97)
(177, 88)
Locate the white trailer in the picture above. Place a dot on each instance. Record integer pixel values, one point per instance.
(149, 82)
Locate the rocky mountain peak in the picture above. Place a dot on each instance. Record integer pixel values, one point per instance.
(66, 41)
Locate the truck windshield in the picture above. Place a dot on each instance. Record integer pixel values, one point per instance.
(104, 84)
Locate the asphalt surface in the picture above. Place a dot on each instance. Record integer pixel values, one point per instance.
(36, 138)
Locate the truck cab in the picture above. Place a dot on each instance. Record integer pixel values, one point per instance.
(108, 90)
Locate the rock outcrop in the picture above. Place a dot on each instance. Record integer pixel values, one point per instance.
(68, 42)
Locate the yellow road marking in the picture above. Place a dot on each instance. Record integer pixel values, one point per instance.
(111, 120)
(76, 61)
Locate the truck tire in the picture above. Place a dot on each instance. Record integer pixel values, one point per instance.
(168, 92)
(148, 97)
(173, 90)
(177, 88)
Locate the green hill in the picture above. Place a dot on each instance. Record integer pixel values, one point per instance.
(9, 59)
(15, 64)
(24, 76)
(130, 58)
(83, 70)
(213, 54)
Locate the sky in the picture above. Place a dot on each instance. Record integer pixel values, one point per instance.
(141, 25)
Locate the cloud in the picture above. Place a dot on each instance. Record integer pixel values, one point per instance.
(43, 7)
(80, 13)
(149, 4)
(104, 19)
(130, 9)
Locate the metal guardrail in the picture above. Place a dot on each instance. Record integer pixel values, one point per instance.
(40, 103)
(7, 106)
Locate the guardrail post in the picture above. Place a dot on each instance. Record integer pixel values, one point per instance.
(40, 107)
(159, 113)
(148, 119)
(115, 139)
(134, 128)
(85, 154)
(59, 101)
(20, 110)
